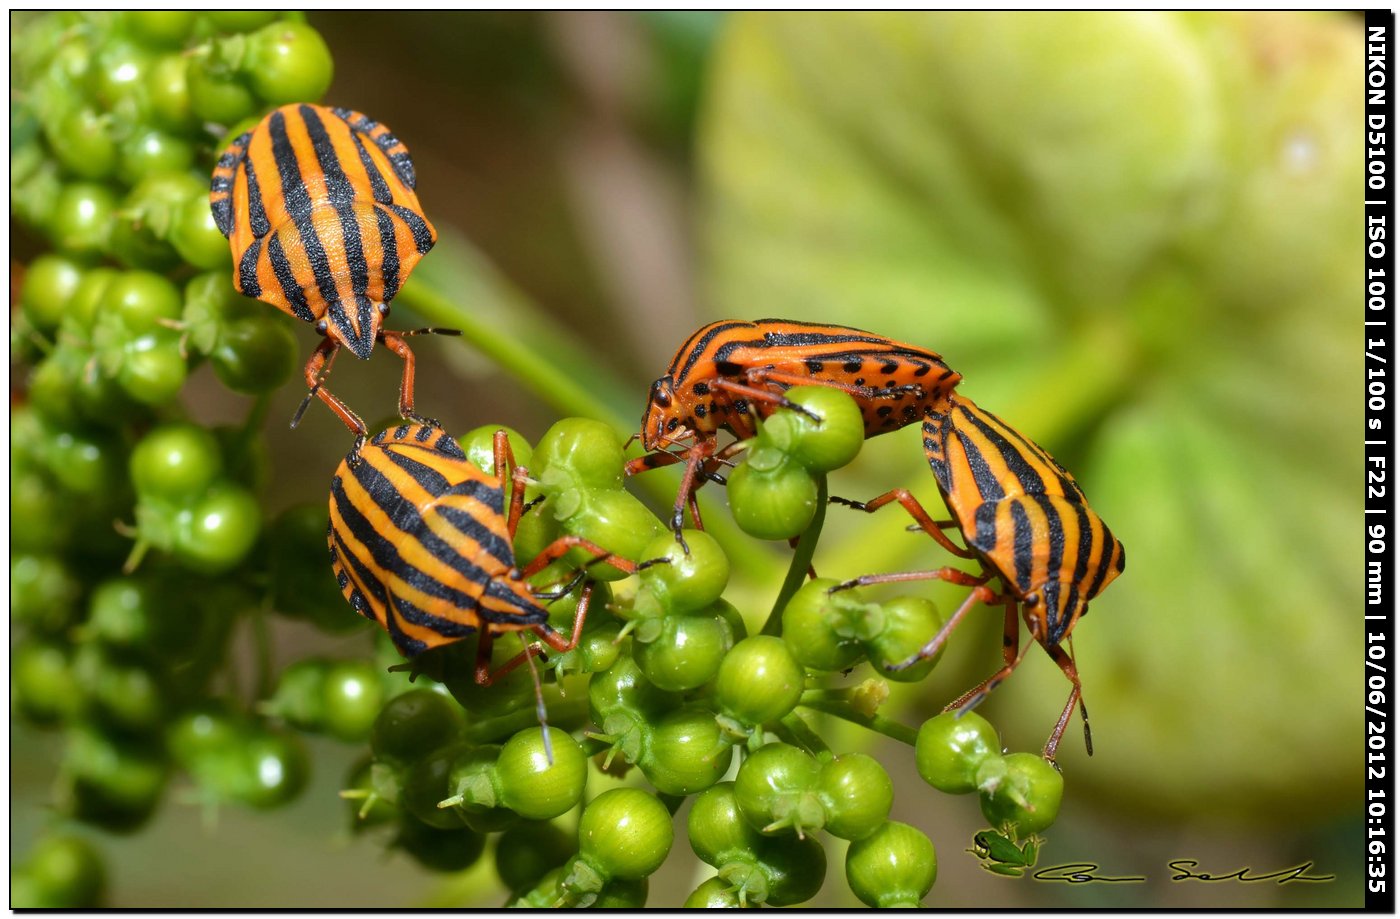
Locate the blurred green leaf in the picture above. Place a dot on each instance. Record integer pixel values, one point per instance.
(1134, 235)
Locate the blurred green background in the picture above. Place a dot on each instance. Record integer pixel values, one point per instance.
(1135, 234)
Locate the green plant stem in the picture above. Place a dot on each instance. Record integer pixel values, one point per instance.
(800, 734)
(513, 355)
(801, 562)
(877, 723)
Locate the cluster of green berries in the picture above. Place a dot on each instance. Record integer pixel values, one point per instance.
(124, 634)
(666, 682)
(118, 118)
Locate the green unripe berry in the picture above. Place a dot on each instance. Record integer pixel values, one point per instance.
(717, 829)
(716, 893)
(857, 794)
(218, 94)
(222, 526)
(759, 680)
(49, 284)
(141, 301)
(686, 653)
(622, 894)
(824, 630)
(687, 752)
(111, 783)
(82, 218)
(197, 239)
(352, 695)
(81, 139)
(176, 461)
(480, 446)
(528, 850)
(1024, 795)
(278, 767)
(429, 781)
(43, 592)
(256, 354)
(151, 152)
(43, 687)
(625, 833)
(909, 623)
(794, 868)
(685, 581)
(154, 370)
(949, 750)
(288, 62)
(440, 850)
(579, 453)
(892, 868)
(160, 28)
(820, 446)
(776, 790)
(300, 695)
(65, 872)
(533, 787)
(412, 725)
(776, 501)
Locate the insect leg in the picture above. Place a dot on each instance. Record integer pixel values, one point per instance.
(694, 458)
(395, 342)
(915, 510)
(974, 696)
(1076, 694)
(931, 647)
(754, 394)
(563, 544)
(505, 459)
(861, 392)
(317, 369)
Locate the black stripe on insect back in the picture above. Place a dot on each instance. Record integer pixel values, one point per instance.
(422, 236)
(338, 186)
(388, 254)
(1021, 545)
(248, 283)
(698, 349)
(287, 280)
(257, 208)
(294, 193)
(987, 485)
(1106, 552)
(386, 554)
(1015, 459)
(342, 195)
(379, 188)
(434, 484)
(366, 579)
(404, 514)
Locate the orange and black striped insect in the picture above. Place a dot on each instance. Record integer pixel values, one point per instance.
(1027, 522)
(319, 209)
(421, 542)
(730, 372)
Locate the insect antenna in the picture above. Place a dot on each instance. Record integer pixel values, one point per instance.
(540, 711)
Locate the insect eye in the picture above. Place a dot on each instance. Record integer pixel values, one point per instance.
(661, 393)
(322, 326)
(383, 309)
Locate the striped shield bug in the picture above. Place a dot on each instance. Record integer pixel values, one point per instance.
(1028, 524)
(729, 373)
(319, 208)
(421, 542)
